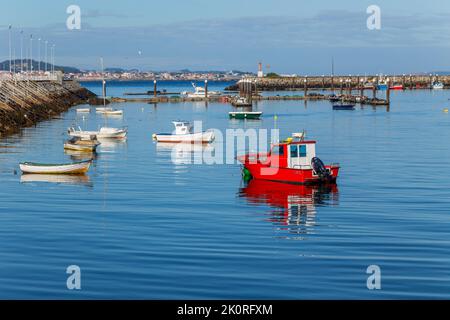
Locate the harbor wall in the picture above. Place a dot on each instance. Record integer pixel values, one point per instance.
(337, 82)
(25, 103)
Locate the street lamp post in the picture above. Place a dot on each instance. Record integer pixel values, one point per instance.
(39, 55)
(53, 58)
(21, 51)
(31, 53)
(10, 53)
(46, 61)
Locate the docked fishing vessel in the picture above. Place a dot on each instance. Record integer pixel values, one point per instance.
(82, 145)
(382, 85)
(184, 133)
(41, 168)
(396, 87)
(241, 102)
(334, 98)
(200, 92)
(103, 133)
(437, 85)
(292, 161)
(245, 114)
(369, 85)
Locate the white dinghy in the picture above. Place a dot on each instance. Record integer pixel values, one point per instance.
(41, 168)
(184, 133)
(103, 133)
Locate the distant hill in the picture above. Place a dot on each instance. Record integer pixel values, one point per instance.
(4, 66)
(118, 70)
(214, 71)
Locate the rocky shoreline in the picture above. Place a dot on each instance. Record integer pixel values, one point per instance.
(25, 103)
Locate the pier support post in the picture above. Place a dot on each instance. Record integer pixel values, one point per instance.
(388, 92)
(206, 88)
(410, 82)
(361, 88)
(154, 88)
(431, 81)
(342, 85)
(305, 86)
(332, 83)
(374, 91)
(403, 81)
(323, 82)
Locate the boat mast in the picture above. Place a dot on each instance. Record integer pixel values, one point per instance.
(103, 88)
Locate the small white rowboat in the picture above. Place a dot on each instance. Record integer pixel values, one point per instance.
(40, 168)
(112, 112)
(83, 110)
(103, 133)
(102, 109)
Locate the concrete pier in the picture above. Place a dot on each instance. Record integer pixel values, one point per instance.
(355, 82)
(25, 103)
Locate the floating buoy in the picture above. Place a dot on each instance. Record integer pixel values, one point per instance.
(154, 136)
(446, 110)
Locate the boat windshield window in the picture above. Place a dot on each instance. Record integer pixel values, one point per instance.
(302, 150)
(294, 152)
(278, 150)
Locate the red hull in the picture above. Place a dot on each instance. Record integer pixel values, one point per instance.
(264, 171)
(398, 87)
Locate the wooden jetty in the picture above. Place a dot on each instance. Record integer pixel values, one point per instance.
(23, 103)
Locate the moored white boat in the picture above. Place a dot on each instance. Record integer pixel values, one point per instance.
(200, 92)
(183, 133)
(102, 109)
(40, 168)
(82, 145)
(113, 112)
(103, 133)
(437, 85)
(83, 110)
(109, 111)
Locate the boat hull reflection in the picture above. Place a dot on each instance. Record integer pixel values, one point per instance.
(294, 206)
(57, 178)
(184, 153)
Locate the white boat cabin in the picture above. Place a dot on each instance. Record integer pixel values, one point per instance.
(300, 154)
(294, 154)
(182, 127)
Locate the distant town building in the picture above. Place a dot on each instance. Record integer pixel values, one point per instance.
(260, 71)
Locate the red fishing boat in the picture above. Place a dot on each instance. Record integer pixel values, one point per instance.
(291, 161)
(396, 87)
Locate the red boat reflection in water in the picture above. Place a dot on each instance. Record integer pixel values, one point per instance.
(295, 205)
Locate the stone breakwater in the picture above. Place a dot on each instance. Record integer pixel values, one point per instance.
(342, 82)
(25, 103)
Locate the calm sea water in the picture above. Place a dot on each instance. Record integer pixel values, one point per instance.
(140, 225)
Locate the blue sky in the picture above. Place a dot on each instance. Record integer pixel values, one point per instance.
(292, 36)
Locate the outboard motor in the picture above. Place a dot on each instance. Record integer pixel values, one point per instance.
(319, 169)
